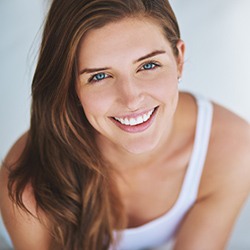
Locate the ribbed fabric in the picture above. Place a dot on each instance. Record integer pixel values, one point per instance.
(163, 229)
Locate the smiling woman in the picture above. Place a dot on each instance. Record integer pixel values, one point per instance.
(130, 101)
(116, 156)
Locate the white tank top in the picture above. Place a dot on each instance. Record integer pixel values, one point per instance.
(162, 230)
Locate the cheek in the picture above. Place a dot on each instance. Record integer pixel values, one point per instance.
(95, 104)
(166, 87)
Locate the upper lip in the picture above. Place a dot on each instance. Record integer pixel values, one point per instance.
(134, 115)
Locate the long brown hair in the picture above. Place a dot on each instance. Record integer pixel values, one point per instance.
(71, 181)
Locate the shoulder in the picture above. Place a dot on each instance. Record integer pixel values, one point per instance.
(26, 230)
(228, 158)
(224, 186)
(9, 163)
(228, 125)
(15, 151)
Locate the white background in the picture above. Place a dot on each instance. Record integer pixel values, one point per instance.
(217, 37)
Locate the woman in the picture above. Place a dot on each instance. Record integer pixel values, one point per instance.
(116, 157)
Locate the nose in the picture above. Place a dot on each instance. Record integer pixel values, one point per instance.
(130, 93)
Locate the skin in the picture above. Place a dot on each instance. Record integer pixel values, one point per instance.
(129, 89)
(158, 155)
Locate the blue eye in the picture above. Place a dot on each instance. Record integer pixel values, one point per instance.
(98, 77)
(149, 66)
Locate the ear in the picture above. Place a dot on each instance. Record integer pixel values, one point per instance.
(180, 58)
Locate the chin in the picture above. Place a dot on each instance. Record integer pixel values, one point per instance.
(141, 148)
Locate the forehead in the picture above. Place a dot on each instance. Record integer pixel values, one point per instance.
(134, 35)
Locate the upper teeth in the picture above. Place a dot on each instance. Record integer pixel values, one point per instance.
(135, 121)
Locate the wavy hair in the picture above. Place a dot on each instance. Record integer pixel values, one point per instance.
(72, 182)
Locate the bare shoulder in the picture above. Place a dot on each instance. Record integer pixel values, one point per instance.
(228, 125)
(224, 186)
(16, 150)
(9, 162)
(228, 159)
(26, 231)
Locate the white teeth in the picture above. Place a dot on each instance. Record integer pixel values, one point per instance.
(145, 117)
(132, 122)
(139, 120)
(135, 121)
(126, 121)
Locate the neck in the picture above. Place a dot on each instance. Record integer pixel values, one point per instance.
(125, 162)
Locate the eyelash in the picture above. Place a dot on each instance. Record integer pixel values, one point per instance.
(92, 80)
(152, 63)
(155, 65)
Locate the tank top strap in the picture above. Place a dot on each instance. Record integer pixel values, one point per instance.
(201, 142)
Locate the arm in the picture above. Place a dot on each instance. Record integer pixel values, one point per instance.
(26, 231)
(209, 223)
(225, 185)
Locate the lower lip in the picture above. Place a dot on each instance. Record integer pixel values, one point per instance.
(137, 128)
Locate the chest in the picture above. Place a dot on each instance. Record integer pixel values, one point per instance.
(148, 198)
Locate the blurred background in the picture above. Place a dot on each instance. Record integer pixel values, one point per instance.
(217, 64)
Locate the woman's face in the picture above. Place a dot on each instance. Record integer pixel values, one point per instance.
(128, 84)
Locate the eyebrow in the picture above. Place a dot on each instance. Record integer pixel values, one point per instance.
(151, 54)
(154, 53)
(92, 70)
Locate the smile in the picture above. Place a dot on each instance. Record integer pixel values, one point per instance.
(135, 120)
(136, 123)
